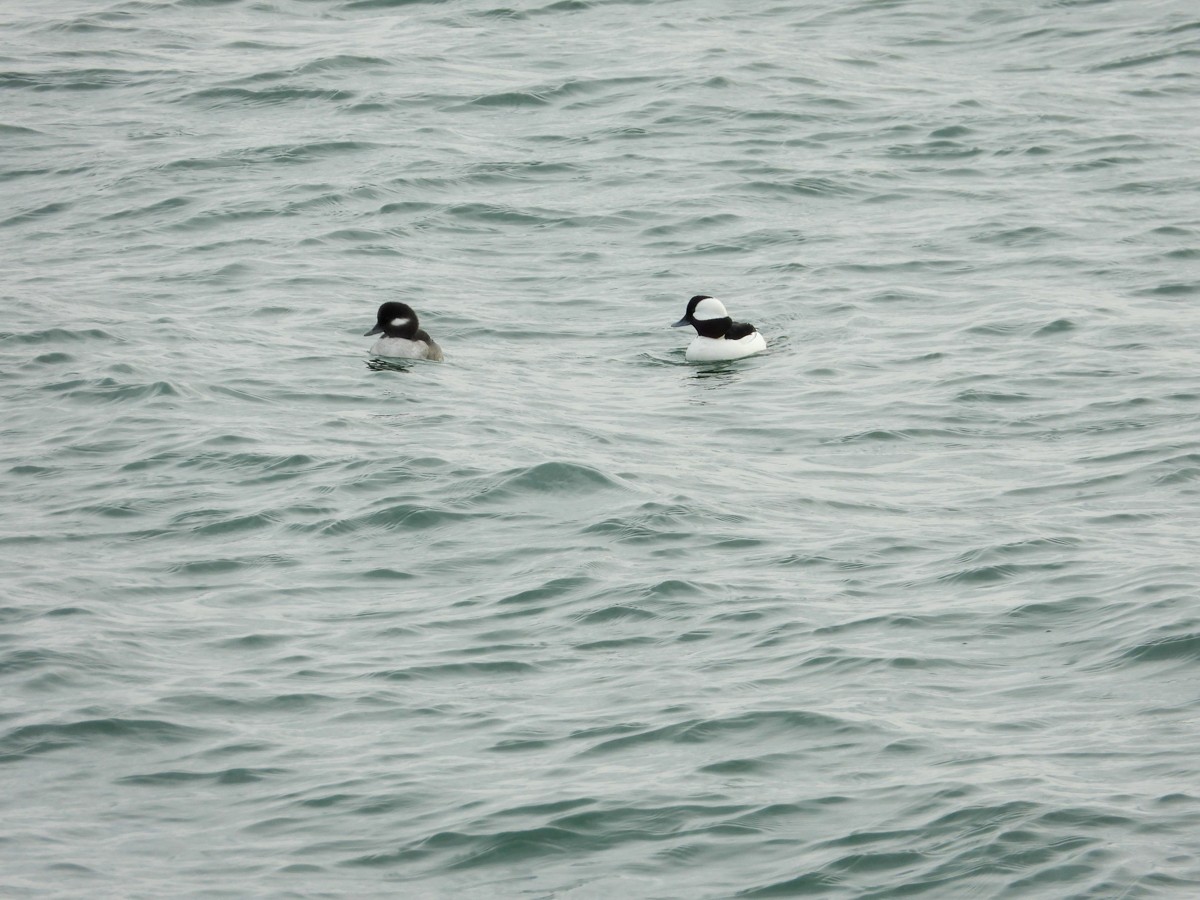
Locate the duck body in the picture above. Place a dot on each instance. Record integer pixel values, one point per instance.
(703, 349)
(402, 337)
(718, 337)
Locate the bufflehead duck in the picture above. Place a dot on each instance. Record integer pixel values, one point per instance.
(402, 338)
(718, 337)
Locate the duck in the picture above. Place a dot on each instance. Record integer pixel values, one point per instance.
(718, 337)
(403, 338)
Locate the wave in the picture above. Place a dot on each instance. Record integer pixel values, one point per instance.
(30, 740)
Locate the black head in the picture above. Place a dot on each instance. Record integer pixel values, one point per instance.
(395, 320)
(707, 315)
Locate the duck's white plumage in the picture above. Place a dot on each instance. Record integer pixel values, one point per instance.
(401, 348)
(703, 349)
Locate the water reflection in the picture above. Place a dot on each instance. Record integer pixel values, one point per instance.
(378, 364)
(716, 374)
(710, 377)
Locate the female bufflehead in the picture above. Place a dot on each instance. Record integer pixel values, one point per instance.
(402, 338)
(718, 337)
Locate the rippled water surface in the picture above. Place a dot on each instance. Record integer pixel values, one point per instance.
(906, 606)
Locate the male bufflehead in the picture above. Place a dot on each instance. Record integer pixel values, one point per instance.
(402, 338)
(718, 337)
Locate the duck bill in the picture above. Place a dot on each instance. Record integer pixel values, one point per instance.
(681, 323)
(378, 329)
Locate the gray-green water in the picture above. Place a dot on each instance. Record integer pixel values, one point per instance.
(906, 606)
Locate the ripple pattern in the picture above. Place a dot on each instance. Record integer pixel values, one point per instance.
(905, 607)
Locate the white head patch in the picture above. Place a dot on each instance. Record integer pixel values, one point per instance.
(709, 308)
(399, 323)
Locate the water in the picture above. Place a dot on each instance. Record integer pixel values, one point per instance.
(904, 607)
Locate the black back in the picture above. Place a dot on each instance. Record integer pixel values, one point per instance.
(739, 330)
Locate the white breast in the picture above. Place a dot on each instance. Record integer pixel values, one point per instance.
(400, 348)
(704, 349)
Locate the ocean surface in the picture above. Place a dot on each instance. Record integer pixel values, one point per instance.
(907, 606)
